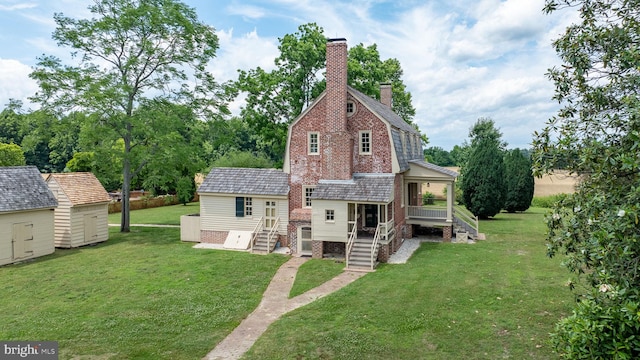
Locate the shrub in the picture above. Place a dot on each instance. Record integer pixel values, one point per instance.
(427, 198)
(547, 201)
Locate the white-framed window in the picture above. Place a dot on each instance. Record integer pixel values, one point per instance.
(365, 142)
(244, 206)
(351, 108)
(248, 206)
(329, 215)
(307, 191)
(313, 142)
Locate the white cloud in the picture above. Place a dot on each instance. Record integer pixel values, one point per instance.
(16, 74)
(17, 6)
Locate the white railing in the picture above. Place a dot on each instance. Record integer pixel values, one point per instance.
(374, 244)
(432, 213)
(352, 238)
(272, 232)
(467, 217)
(256, 230)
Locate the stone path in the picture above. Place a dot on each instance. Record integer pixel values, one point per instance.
(275, 303)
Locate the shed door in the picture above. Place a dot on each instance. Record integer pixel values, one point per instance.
(90, 228)
(22, 240)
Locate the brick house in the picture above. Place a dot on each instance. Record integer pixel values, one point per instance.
(354, 171)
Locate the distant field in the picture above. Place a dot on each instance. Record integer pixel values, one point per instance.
(557, 183)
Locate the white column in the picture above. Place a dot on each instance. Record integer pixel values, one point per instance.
(450, 200)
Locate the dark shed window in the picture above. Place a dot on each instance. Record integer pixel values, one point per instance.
(239, 207)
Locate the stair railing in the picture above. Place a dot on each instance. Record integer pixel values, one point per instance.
(352, 238)
(374, 243)
(254, 235)
(272, 232)
(468, 218)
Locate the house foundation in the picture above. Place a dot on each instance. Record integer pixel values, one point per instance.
(213, 237)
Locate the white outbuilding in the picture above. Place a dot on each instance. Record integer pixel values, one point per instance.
(26, 214)
(83, 206)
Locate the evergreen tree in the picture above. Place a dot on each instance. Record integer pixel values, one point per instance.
(519, 181)
(483, 184)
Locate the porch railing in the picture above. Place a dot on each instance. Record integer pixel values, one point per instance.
(352, 238)
(272, 233)
(256, 230)
(432, 213)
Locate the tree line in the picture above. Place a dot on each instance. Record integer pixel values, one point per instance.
(138, 108)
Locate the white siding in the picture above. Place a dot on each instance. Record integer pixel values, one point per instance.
(42, 231)
(77, 228)
(218, 212)
(330, 231)
(69, 220)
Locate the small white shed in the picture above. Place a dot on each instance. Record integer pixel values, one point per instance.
(26, 214)
(83, 206)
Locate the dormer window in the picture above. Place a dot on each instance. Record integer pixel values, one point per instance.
(351, 108)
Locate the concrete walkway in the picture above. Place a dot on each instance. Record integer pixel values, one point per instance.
(275, 303)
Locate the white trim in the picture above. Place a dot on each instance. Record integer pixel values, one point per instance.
(361, 143)
(309, 142)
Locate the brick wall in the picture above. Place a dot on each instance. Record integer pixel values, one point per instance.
(316, 249)
(447, 233)
(213, 237)
(331, 247)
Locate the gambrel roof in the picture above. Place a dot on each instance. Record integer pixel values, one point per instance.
(363, 187)
(23, 188)
(82, 188)
(382, 111)
(246, 181)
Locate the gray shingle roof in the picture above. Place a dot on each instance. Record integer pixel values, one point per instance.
(383, 111)
(434, 167)
(23, 188)
(397, 144)
(371, 188)
(245, 181)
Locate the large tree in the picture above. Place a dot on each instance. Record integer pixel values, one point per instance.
(483, 185)
(439, 156)
(11, 155)
(520, 183)
(596, 134)
(129, 54)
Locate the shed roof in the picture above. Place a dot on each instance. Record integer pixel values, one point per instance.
(363, 187)
(246, 181)
(23, 188)
(82, 188)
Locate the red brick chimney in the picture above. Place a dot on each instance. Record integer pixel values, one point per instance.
(338, 159)
(385, 94)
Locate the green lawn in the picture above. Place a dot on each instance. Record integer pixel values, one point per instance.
(495, 299)
(169, 215)
(146, 295)
(142, 295)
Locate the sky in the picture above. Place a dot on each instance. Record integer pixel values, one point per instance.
(462, 59)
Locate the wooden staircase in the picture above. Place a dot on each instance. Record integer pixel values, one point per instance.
(361, 255)
(261, 244)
